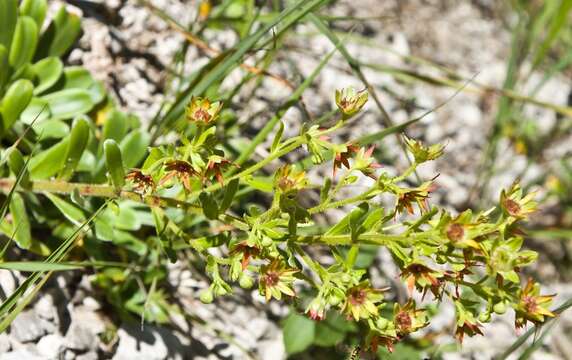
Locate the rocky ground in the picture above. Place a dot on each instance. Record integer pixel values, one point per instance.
(130, 50)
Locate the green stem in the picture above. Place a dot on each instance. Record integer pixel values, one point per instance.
(339, 203)
(96, 190)
(406, 173)
(259, 165)
(374, 239)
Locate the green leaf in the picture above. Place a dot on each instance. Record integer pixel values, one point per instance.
(299, 332)
(230, 190)
(87, 162)
(36, 9)
(8, 18)
(60, 34)
(328, 336)
(277, 137)
(128, 218)
(366, 256)
(78, 141)
(114, 163)
(77, 77)
(134, 148)
(68, 103)
(260, 183)
(37, 110)
(32, 266)
(15, 101)
(353, 218)
(24, 42)
(71, 212)
(50, 161)
(210, 207)
(47, 71)
(17, 164)
(52, 129)
(21, 223)
(115, 126)
(4, 66)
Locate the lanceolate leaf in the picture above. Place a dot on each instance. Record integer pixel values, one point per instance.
(37, 111)
(78, 141)
(32, 266)
(17, 165)
(115, 126)
(8, 18)
(71, 212)
(36, 9)
(114, 162)
(48, 71)
(24, 42)
(15, 101)
(50, 161)
(20, 221)
(4, 66)
(69, 103)
(134, 147)
(60, 35)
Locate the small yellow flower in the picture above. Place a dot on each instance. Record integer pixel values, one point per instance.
(361, 301)
(205, 9)
(288, 179)
(408, 318)
(350, 102)
(276, 279)
(202, 111)
(515, 205)
(532, 306)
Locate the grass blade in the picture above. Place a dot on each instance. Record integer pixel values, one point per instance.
(288, 17)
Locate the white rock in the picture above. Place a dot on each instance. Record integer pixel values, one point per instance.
(45, 307)
(87, 356)
(7, 282)
(4, 343)
(22, 354)
(26, 327)
(146, 346)
(51, 346)
(272, 349)
(84, 328)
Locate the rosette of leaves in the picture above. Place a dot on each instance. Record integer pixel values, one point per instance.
(61, 134)
(34, 83)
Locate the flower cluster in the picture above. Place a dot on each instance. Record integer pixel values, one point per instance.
(468, 259)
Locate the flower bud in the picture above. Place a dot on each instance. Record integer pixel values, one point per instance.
(485, 316)
(423, 153)
(381, 323)
(499, 308)
(206, 296)
(246, 281)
